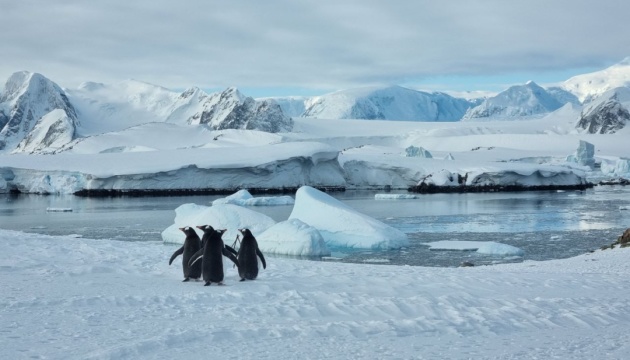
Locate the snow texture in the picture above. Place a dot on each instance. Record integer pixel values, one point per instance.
(75, 298)
(340, 225)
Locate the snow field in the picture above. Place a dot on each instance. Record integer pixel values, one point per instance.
(79, 299)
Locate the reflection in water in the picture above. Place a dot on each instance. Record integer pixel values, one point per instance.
(544, 224)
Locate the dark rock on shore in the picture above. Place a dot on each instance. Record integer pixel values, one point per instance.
(424, 188)
(186, 192)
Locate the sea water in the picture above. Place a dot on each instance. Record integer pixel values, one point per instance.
(545, 225)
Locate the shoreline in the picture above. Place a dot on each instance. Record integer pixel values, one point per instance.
(417, 189)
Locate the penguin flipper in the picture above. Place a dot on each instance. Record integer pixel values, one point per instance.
(176, 254)
(230, 256)
(198, 255)
(262, 258)
(231, 249)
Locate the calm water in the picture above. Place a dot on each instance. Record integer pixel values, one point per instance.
(546, 225)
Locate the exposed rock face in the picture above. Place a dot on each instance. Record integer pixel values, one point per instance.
(624, 239)
(517, 101)
(231, 110)
(26, 100)
(607, 114)
(51, 132)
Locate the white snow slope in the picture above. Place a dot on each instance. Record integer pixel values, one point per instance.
(591, 85)
(69, 298)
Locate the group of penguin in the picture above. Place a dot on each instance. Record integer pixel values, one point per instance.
(210, 249)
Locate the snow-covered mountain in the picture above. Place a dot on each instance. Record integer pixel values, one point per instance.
(519, 101)
(607, 113)
(387, 103)
(112, 107)
(591, 85)
(107, 108)
(35, 113)
(292, 106)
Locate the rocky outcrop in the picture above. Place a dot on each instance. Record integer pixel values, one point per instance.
(30, 102)
(50, 133)
(607, 114)
(622, 241)
(229, 109)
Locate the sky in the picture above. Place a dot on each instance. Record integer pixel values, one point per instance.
(287, 47)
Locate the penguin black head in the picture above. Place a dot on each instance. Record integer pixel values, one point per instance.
(245, 232)
(205, 228)
(188, 230)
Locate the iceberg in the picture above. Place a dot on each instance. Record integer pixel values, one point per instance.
(413, 151)
(244, 198)
(341, 225)
(224, 216)
(620, 167)
(293, 237)
(482, 247)
(584, 155)
(494, 248)
(395, 196)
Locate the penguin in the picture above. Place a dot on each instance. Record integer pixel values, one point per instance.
(247, 252)
(192, 244)
(212, 255)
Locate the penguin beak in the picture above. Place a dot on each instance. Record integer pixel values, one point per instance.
(222, 231)
(241, 230)
(199, 227)
(182, 229)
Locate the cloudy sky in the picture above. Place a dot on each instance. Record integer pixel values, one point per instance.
(305, 47)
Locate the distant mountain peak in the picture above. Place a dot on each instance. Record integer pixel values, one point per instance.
(27, 97)
(518, 101)
(606, 114)
(589, 86)
(392, 102)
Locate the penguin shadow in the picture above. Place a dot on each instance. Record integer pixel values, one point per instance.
(202, 259)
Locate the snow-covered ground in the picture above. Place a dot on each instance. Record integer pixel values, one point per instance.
(355, 154)
(75, 298)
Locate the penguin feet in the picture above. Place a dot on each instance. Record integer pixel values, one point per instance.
(207, 283)
(186, 279)
(243, 279)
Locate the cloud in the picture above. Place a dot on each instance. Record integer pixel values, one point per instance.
(310, 44)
